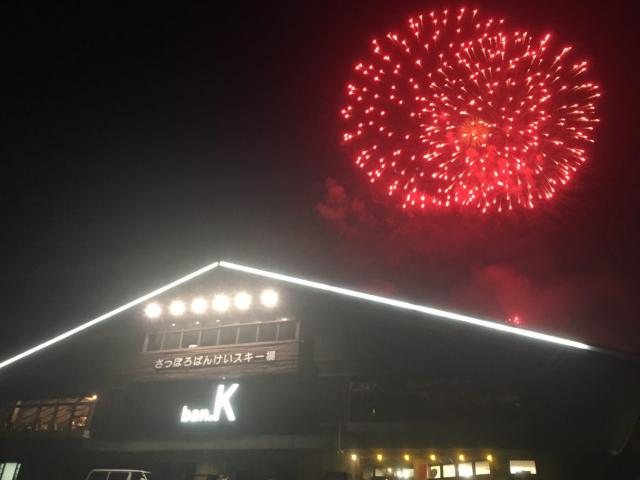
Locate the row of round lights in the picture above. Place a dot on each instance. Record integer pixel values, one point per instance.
(220, 303)
(407, 457)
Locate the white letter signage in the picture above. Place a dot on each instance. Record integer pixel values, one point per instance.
(221, 403)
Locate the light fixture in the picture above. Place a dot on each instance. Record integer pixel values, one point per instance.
(406, 457)
(242, 301)
(432, 457)
(153, 310)
(379, 457)
(199, 305)
(461, 457)
(354, 457)
(93, 397)
(221, 303)
(269, 298)
(177, 308)
(490, 458)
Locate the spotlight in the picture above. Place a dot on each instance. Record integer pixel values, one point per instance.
(242, 301)
(432, 457)
(269, 298)
(177, 308)
(461, 457)
(199, 305)
(406, 457)
(379, 457)
(153, 310)
(489, 458)
(221, 303)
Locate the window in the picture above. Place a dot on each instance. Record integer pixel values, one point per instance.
(248, 334)
(9, 471)
(45, 419)
(267, 332)
(171, 341)
(154, 342)
(434, 471)
(118, 475)
(98, 476)
(483, 468)
(190, 338)
(448, 471)
(522, 466)
(287, 331)
(80, 417)
(465, 469)
(228, 336)
(55, 415)
(63, 418)
(209, 337)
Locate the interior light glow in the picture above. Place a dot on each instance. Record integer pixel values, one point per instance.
(199, 305)
(379, 457)
(221, 303)
(354, 457)
(177, 308)
(406, 457)
(436, 312)
(432, 457)
(461, 457)
(108, 315)
(242, 301)
(269, 298)
(490, 458)
(153, 310)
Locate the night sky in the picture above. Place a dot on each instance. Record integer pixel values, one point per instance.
(141, 143)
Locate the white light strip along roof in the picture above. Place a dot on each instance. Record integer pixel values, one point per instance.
(305, 283)
(409, 306)
(110, 314)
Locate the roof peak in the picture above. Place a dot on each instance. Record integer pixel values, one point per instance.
(400, 304)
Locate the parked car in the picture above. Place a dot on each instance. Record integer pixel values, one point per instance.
(117, 474)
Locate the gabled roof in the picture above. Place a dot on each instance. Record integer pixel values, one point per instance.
(399, 304)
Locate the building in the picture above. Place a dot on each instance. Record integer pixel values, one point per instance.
(248, 374)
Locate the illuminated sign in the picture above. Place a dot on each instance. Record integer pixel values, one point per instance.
(221, 403)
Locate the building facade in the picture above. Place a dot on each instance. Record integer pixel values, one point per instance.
(246, 377)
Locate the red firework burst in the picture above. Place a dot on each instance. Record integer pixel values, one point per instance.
(458, 111)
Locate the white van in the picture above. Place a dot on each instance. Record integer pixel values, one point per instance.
(117, 474)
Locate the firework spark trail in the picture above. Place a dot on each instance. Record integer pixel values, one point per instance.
(459, 111)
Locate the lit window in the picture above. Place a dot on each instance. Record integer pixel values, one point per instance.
(177, 308)
(483, 468)
(242, 301)
(434, 471)
(522, 466)
(448, 471)
(9, 471)
(269, 298)
(221, 303)
(465, 469)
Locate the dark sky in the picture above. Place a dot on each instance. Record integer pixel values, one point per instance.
(140, 143)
